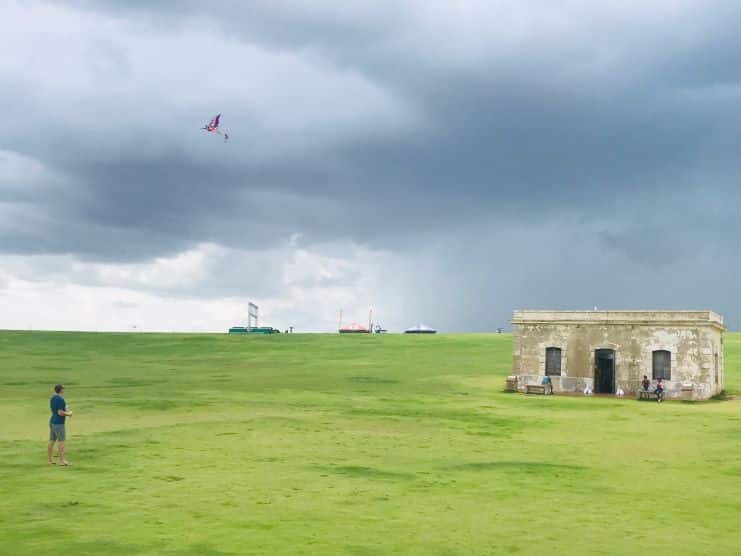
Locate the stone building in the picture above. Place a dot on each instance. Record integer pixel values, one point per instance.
(608, 350)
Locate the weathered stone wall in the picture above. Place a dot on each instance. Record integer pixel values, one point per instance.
(693, 339)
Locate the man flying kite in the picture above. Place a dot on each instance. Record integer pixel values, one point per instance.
(213, 127)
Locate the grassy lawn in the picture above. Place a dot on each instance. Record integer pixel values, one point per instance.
(329, 444)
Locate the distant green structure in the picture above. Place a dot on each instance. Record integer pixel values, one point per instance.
(253, 330)
(263, 330)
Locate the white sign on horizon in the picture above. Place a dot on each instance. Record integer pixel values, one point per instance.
(252, 314)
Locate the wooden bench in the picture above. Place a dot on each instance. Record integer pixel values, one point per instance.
(535, 389)
(646, 395)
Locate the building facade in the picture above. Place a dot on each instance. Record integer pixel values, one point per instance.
(608, 350)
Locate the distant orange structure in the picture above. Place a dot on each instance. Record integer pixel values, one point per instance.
(356, 328)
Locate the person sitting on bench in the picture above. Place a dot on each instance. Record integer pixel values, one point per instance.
(659, 390)
(646, 384)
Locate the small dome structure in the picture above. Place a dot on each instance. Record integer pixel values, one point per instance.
(420, 329)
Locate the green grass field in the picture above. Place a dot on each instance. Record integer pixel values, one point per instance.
(361, 445)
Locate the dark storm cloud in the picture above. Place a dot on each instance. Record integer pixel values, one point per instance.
(537, 151)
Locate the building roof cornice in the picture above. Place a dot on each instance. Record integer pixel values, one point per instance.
(635, 318)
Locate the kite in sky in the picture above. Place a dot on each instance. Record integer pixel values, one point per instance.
(213, 127)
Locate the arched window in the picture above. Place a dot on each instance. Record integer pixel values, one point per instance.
(553, 361)
(662, 364)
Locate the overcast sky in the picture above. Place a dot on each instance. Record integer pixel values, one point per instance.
(442, 162)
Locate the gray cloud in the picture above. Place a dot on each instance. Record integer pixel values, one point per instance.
(514, 155)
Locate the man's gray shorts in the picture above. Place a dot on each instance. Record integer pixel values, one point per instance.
(56, 432)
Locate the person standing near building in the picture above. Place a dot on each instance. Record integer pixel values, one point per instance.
(57, 432)
(548, 385)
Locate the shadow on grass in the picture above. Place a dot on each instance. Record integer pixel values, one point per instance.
(718, 398)
(45, 381)
(169, 478)
(496, 425)
(724, 396)
(161, 404)
(531, 467)
(361, 471)
(372, 380)
(112, 547)
(127, 382)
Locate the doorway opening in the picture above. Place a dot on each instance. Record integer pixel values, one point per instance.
(604, 371)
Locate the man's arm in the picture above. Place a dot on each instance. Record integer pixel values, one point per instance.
(64, 413)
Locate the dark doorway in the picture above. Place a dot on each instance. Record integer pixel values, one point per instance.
(604, 371)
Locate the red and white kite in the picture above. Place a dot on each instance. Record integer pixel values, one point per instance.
(213, 127)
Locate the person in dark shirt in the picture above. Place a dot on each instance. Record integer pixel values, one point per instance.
(57, 432)
(646, 383)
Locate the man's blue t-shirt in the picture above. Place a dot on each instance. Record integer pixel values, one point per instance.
(56, 403)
